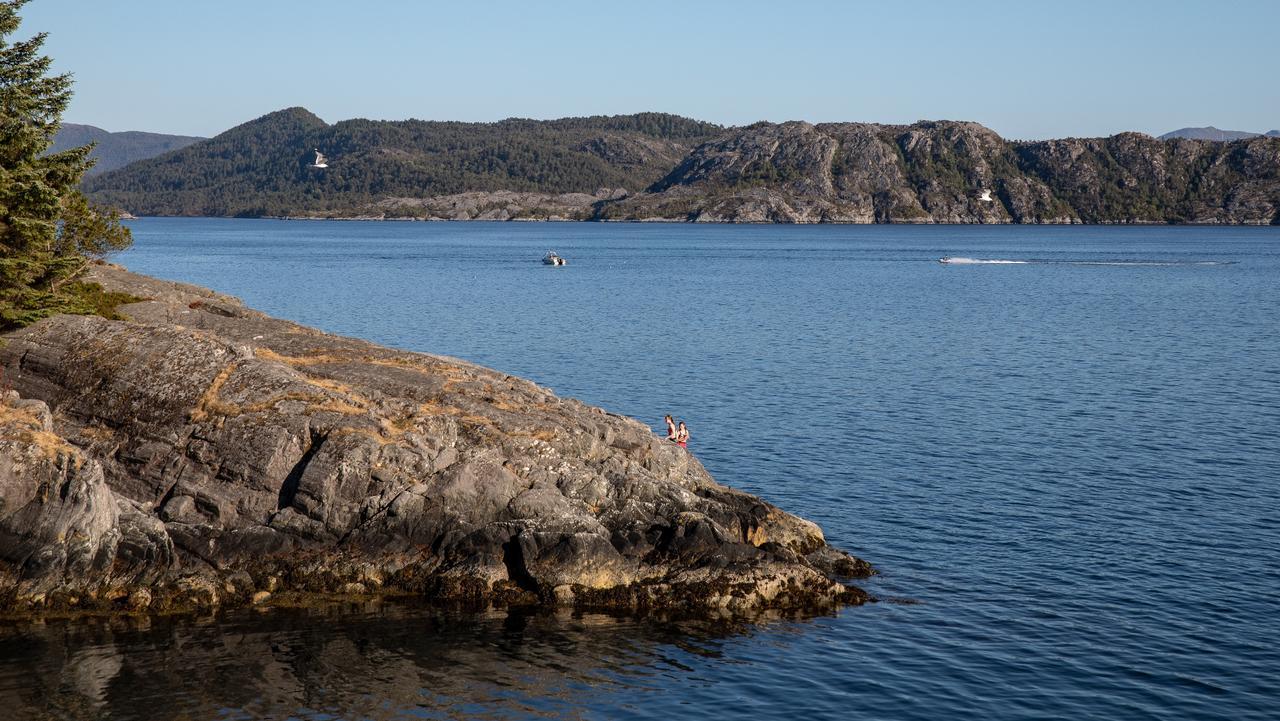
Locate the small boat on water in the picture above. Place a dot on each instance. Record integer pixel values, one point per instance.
(552, 259)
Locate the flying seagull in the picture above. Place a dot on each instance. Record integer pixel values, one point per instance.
(321, 162)
(985, 197)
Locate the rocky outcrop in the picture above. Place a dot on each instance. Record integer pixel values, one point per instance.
(59, 521)
(848, 173)
(1134, 178)
(202, 453)
(937, 172)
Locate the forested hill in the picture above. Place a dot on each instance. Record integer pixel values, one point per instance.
(678, 169)
(116, 150)
(261, 168)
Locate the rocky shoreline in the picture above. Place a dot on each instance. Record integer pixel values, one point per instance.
(201, 454)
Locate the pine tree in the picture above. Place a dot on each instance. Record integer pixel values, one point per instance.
(49, 232)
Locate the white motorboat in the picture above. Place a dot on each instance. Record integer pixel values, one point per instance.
(552, 259)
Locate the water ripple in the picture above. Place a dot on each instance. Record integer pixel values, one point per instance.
(1067, 469)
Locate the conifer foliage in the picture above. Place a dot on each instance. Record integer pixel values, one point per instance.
(49, 232)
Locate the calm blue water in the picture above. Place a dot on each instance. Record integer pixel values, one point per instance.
(1071, 468)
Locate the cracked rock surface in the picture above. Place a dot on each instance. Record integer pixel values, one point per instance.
(202, 453)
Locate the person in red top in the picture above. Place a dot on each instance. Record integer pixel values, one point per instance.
(682, 436)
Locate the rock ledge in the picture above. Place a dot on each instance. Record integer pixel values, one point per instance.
(203, 454)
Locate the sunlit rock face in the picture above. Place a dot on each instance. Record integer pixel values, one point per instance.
(958, 172)
(201, 453)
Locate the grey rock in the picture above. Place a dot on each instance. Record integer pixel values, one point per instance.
(935, 172)
(202, 451)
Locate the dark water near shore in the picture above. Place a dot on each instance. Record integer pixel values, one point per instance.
(1070, 465)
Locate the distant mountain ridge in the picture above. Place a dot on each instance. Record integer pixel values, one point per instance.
(261, 167)
(1212, 133)
(657, 167)
(116, 150)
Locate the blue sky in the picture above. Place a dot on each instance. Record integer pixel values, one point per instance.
(1025, 69)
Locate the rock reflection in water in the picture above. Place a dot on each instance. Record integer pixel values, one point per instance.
(376, 662)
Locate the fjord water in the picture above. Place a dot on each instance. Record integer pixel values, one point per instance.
(1065, 470)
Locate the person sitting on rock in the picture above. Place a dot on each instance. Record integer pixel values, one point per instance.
(682, 436)
(671, 427)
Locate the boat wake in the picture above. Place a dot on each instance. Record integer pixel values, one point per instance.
(1144, 262)
(1004, 261)
(982, 261)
